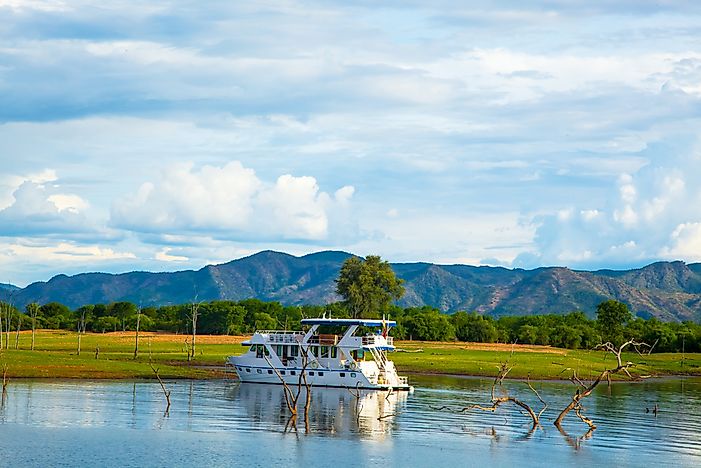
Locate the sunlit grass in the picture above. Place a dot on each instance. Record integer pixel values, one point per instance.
(540, 362)
(55, 356)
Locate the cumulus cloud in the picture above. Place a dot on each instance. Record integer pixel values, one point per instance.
(650, 215)
(231, 202)
(164, 256)
(64, 251)
(39, 209)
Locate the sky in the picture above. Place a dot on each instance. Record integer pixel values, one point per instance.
(167, 135)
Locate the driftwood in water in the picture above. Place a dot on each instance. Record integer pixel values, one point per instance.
(502, 396)
(166, 392)
(584, 390)
(505, 397)
(292, 396)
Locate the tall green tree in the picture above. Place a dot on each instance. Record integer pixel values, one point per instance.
(611, 316)
(368, 286)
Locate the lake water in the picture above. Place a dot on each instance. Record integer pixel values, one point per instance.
(224, 423)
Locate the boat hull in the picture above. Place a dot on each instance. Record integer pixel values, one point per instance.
(315, 377)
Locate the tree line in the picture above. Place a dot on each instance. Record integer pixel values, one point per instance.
(614, 322)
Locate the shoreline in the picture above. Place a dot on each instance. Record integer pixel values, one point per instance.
(56, 357)
(217, 372)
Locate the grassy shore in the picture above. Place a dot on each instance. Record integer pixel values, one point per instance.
(55, 356)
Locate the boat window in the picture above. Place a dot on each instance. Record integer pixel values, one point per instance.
(334, 352)
(260, 350)
(259, 371)
(324, 352)
(270, 371)
(293, 372)
(352, 374)
(343, 374)
(248, 369)
(311, 373)
(294, 350)
(278, 349)
(321, 374)
(314, 350)
(282, 372)
(253, 347)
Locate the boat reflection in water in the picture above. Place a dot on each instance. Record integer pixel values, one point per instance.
(332, 412)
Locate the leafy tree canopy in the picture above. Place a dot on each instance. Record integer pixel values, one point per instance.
(368, 286)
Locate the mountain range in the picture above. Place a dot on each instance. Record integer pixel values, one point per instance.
(670, 291)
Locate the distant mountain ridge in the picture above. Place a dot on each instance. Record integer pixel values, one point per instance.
(8, 287)
(666, 290)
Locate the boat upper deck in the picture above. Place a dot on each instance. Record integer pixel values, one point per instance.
(350, 322)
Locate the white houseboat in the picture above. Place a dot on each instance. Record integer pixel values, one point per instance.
(337, 355)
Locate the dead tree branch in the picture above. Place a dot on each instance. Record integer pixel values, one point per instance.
(5, 381)
(504, 397)
(292, 396)
(584, 390)
(166, 392)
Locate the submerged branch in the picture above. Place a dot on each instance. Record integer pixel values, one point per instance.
(584, 390)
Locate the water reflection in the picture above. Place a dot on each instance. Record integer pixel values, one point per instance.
(395, 427)
(334, 412)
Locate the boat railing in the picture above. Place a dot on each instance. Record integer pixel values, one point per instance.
(324, 340)
(282, 336)
(377, 340)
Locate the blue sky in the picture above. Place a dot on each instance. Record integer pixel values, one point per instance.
(166, 135)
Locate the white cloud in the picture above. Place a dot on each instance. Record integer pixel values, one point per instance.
(63, 252)
(296, 209)
(230, 202)
(210, 198)
(685, 243)
(39, 5)
(68, 202)
(652, 214)
(9, 183)
(164, 256)
(41, 210)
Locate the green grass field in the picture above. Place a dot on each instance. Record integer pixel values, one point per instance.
(55, 356)
(540, 362)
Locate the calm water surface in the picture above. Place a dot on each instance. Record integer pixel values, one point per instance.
(224, 423)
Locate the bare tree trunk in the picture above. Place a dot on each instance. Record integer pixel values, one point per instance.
(33, 310)
(194, 312)
(34, 328)
(8, 321)
(5, 381)
(138, 323)
(81, 328)
(19, 325)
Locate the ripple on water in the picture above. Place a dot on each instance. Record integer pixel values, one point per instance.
(397, 421)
